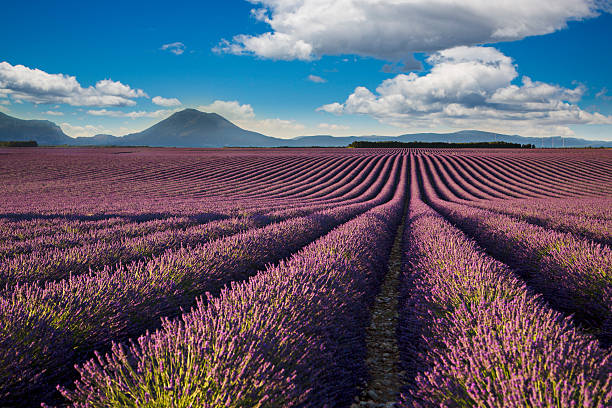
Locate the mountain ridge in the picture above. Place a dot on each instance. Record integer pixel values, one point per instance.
(193, 128)
(44, 132)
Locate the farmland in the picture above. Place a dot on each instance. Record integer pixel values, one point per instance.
(145, 277)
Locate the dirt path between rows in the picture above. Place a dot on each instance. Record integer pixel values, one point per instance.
(386, 377)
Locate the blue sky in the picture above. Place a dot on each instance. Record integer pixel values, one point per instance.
(288, 68)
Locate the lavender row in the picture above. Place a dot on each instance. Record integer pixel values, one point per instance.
(23, 228)
(329, 184)
(472, 334)
(85, 312)
(556, 175)
(142, 170)
(502, 183)
(291, 336)
(484, 186)
(59, 263)
(482, 177)
(279, 180)
(186, 178)
(47, 329)
(68, 236)
(548, 215)
(531, 175)
(338, 191)
(355, 187)
(475, 336)
(594, 229)
(11, 230)
(461, 189)
(61, 223)
(98, 181)
(589, 207)
(574, 274)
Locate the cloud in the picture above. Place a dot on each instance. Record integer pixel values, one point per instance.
(470, 87)
(333, 126)
(316, 79)
(393, 29)
(244, 116)
(603, 94)
(276, 125)
(336, 108)
(37, 86)
(4, 97)
(277, 46)
(408, 63)
(133, 115)
(158, 100)
(109, 87)
(176, 48)
(82, 131)
(53, 113)
(231, 110)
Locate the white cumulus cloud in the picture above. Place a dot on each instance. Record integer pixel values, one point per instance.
(393, 29)
(158, 100)
(37, 86)
(109, 87)
(470, 87)
(335, 107)
(268, 45)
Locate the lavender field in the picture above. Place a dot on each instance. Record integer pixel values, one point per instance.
(162, 277)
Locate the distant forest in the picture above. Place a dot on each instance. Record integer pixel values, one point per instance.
(10, 143)
(442, 145)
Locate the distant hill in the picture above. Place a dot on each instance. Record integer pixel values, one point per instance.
(464, 136)
(473, 136)
(41, 131)
(193, 128)
(97, 140)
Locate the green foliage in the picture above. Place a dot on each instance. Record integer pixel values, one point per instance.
(442, 145)
(13, 143)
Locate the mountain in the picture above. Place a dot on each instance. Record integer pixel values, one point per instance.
(42, 131)
(192, 128)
